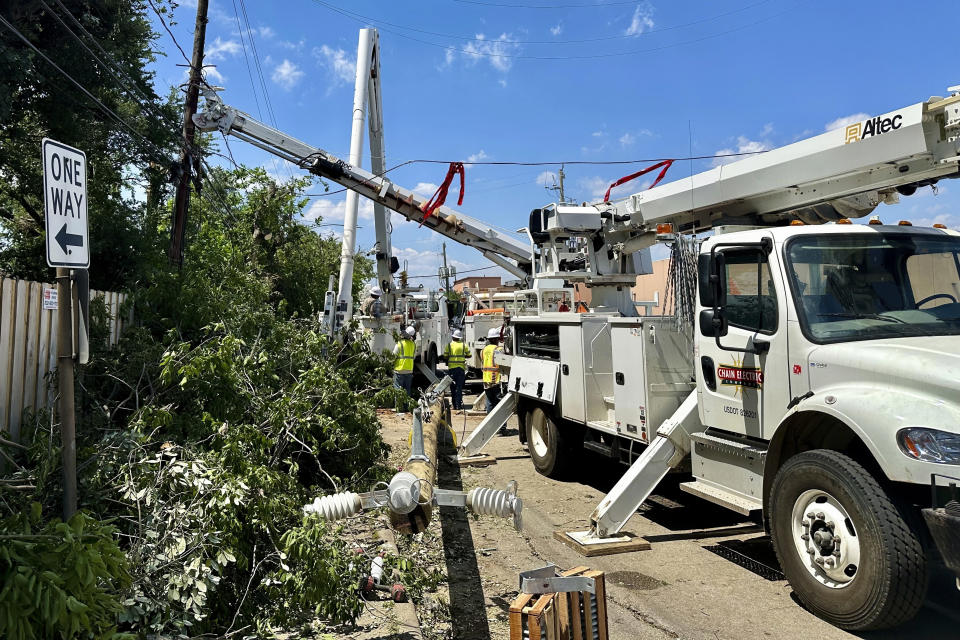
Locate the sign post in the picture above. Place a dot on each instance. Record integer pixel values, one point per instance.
(68, 246)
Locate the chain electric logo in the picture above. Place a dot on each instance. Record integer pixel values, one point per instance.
(872, 127)
(749, 377)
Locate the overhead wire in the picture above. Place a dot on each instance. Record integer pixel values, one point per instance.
(500, 54)
(107, 110)
(129, 84)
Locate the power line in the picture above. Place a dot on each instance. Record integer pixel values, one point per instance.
(474, 53)
(159, 152)
(112, 69)
(552, 42)
(246, 60)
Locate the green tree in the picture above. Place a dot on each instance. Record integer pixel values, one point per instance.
(37, 101)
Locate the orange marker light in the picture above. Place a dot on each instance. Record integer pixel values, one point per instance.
(844, 221)
(939, 226)
(664, 227)
(905, 223)
(875, 221)
(796, 223)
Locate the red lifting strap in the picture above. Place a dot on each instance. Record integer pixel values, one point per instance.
(440, 196)
(665, 164)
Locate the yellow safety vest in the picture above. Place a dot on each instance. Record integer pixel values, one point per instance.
(404, 362)
(456, 353)
(491, 373)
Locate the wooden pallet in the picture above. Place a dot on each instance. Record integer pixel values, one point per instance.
(576, 615)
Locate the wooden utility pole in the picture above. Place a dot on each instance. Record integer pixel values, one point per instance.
(182, 202)
(446, 272)
(68, 427)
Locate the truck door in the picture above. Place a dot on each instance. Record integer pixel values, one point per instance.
(733, 382)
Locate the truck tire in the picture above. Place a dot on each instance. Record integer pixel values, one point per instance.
(549, 447)
(844, 547)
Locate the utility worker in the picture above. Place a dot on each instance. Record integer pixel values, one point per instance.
(371, 305)
(491, 373)
(456, 357)
(403, 364)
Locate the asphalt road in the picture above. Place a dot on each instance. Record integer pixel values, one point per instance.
(710, 574)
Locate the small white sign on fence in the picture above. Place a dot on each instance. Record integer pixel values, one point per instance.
(49, 299)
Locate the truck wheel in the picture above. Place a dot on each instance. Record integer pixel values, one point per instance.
(549, 449)
(846, 550)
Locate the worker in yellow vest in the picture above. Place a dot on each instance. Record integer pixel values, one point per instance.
(403, 360)
(491, 373)
(456, 356)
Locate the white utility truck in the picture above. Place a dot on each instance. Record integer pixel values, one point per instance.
(816, 382)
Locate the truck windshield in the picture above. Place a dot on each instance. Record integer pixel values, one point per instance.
(887, 285)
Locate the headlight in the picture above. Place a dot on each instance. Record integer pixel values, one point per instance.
(930, 445)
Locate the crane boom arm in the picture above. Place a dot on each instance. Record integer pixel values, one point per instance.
(839, 174)
(458, 227)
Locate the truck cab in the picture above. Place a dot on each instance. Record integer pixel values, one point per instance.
(827, 362)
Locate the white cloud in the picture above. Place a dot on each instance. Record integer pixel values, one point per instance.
(557, 30)
(287, 74)
(627, 139)
(767, 130)
(845, 120)
(221, 48)
(341, 67)
(212, 75)
(418, 263)
(641, 21)
(476, 157)
(498, 52)
(502, 82)
(546, 178)
(598, 134)
(332, 211)
(426, 189)
(744, 145)
(266, 32)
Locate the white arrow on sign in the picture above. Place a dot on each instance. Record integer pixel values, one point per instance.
(65, 205)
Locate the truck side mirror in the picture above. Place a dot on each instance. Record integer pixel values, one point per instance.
(710, 270)
(713, 323)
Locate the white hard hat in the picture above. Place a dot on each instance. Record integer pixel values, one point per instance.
(376, 292)
(493, 334)
(411, 331)
(457, 334)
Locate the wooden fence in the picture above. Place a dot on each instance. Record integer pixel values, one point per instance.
(28, 347)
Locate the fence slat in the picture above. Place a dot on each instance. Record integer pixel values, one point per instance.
(43, 353)
(7, 302)
(19, 354)
(31, 363)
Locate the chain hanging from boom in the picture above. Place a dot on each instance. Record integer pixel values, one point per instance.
(680, 297)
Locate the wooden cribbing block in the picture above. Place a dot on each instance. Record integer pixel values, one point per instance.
(574, 615)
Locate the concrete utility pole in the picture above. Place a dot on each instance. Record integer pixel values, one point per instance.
(345, 286)
(182, 202)
(68, 427)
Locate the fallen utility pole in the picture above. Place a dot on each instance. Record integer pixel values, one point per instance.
(411, 495)
(187, 159)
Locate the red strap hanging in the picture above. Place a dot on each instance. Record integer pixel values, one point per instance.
(665, 164)
(438, 198)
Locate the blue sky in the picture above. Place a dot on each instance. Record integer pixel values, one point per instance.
(570, 80)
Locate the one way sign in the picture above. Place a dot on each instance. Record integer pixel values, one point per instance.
(65, 204)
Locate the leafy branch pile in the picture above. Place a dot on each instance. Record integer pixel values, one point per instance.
(202, 435)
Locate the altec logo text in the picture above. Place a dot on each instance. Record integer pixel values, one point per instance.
(873, 127)
(741, 376)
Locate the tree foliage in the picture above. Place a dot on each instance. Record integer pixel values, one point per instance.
(37, 101)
